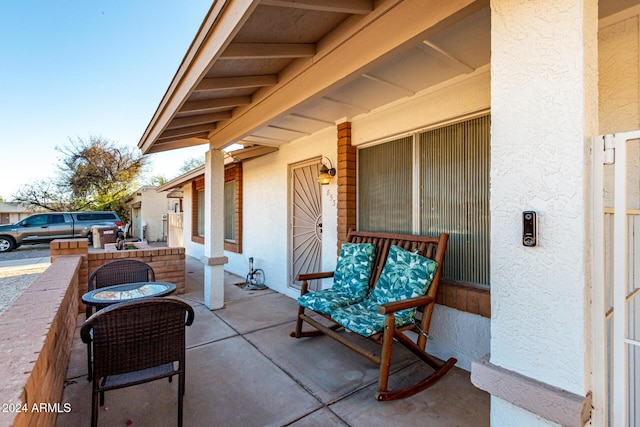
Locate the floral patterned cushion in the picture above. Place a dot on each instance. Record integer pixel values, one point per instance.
(363, 318)
(404, 275)
(350, 280)
(353, 269)
(327, 300)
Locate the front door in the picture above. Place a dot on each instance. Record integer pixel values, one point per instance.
(306, 221)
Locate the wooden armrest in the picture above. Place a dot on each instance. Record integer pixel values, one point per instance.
(392, 307)
(313, 276)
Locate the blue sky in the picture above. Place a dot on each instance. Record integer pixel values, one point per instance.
(74, 68)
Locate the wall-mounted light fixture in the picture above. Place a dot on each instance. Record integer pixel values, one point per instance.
(326, 174)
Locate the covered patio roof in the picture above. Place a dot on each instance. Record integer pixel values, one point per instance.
(265, 73)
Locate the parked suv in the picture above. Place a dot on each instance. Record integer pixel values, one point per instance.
(45, 227)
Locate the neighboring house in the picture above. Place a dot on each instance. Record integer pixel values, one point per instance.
(191, 220)
(449, 117)
(148, 211)
(181, 230)
(11, 212)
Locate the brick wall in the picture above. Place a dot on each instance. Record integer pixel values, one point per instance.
(36, 336)
(167, 263)
(469, 298)
(346, 182)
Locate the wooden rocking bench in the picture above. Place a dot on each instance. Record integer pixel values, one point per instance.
(371, 303)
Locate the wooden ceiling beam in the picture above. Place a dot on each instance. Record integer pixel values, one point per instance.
(160, 146)
(252, 152)
(200, 119)
(216, 104)
(222, 83)
(268, 50)
(188, 131)
(355, 7)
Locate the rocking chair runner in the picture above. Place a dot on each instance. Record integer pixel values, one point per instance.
(355, 308)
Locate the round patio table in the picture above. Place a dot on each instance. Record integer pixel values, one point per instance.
(108, 295)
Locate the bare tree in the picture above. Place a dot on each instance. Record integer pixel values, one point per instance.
(93, 174)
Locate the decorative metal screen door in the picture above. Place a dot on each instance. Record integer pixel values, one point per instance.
(306, 221)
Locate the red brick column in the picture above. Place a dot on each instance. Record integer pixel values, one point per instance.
(346, 182)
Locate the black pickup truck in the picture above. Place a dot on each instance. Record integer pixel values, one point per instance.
(45, 227)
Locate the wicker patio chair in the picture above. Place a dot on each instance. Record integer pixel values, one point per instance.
(136, 342)
(118, 272)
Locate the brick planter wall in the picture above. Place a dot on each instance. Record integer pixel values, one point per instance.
(167, 263)
(36, 336)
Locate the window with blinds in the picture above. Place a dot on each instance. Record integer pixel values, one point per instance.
(385, 187)
(200, 213)
(451, 192)
(230, 210)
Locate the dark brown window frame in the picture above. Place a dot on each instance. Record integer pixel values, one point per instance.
(234, 173)
(196, 185)
(231, 173)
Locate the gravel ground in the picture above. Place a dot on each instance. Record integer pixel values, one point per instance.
(14, 281)
(26, 251)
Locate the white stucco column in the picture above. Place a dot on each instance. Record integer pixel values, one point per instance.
(214, 258)
(544, 110)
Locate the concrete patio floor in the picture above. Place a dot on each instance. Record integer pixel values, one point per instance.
(243, 369)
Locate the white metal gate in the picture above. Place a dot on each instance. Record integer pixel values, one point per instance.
(616, 279)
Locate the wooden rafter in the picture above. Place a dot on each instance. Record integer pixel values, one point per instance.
(216, 104)
(223, 83)
(163, 145)
(188, 131)
(252, 152)
(356, 7)
(200, 119)
(268, 50)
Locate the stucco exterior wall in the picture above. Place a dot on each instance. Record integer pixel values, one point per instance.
(266, 209)
(152, 207)
(544, 99)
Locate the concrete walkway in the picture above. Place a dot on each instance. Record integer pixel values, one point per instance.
(243, 369)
